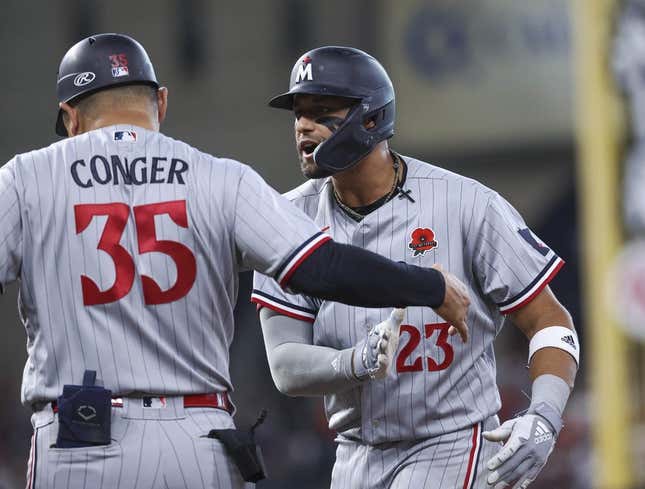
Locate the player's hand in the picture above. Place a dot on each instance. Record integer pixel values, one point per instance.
(529, 442)
(455, 304)
(373, 355)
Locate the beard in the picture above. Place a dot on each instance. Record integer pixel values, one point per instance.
(313, 171)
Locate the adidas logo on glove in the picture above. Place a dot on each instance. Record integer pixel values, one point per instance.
(542, 433)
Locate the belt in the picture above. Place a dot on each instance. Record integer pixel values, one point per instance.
(218, 400)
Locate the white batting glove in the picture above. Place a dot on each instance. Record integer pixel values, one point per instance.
(529, 442)
(373, 355)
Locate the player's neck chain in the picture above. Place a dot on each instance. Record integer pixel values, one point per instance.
(358, 213)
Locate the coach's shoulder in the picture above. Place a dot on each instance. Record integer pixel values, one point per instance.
(207, 163)
(34, 156)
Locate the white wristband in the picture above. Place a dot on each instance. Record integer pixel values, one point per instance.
(556, 337)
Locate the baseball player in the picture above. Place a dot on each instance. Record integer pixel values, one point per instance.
(127, 245)
(429, 420)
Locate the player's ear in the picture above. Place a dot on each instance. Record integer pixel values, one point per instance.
(162, 103)
(70, 118)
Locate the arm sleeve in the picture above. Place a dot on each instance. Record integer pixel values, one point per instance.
(353, 276)
(271, 234)
(511, 264)
(299, 368)
(10, 226)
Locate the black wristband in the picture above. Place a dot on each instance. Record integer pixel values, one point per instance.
(358, 277)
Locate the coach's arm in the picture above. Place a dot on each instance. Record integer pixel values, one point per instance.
(342, 273)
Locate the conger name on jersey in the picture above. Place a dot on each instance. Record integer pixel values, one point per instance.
(116, 170)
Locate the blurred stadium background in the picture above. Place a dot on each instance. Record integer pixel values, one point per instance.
(517, 94)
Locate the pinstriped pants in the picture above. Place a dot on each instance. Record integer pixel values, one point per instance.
(152, 448)
(450, 461)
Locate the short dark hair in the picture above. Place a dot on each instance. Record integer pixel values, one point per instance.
(116, 97)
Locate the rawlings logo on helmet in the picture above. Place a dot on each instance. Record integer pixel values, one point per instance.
(423, 240)
(84, 78)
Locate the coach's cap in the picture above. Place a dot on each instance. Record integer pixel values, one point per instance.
(101, 61)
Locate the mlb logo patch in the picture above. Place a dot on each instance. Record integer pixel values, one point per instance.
(119, 64)
(120, 71)
(125, 136)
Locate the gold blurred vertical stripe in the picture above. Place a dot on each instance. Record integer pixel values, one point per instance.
(598, 141)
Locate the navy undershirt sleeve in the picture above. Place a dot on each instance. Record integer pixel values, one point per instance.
(351, 275)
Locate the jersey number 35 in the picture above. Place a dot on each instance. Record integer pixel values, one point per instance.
(144, 217)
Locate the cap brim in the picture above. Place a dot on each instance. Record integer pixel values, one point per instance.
(283, 101)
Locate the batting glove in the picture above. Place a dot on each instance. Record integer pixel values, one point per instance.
(373, 355)
(529, 442)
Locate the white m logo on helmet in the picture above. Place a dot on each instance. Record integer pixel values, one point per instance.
(304, 73)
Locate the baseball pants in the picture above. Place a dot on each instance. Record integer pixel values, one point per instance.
(152, 448)
(454, 460)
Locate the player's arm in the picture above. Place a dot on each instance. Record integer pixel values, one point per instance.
(553, 363)
(299, 368)
(552, 356)
(514, 268)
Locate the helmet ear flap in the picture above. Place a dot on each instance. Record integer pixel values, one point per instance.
(355, 139)
(372, 121)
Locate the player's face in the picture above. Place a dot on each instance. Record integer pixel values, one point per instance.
(317, 117)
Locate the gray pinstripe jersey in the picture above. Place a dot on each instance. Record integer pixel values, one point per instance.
(127, 245)
(440, 384)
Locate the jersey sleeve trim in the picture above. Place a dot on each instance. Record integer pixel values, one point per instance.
(534, 288)
(282, 307)
(291, 264)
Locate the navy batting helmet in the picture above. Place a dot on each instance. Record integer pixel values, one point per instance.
(98, 62)
(351, 73)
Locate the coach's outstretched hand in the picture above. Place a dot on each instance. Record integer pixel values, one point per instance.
(373, 355)
(455, 304)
